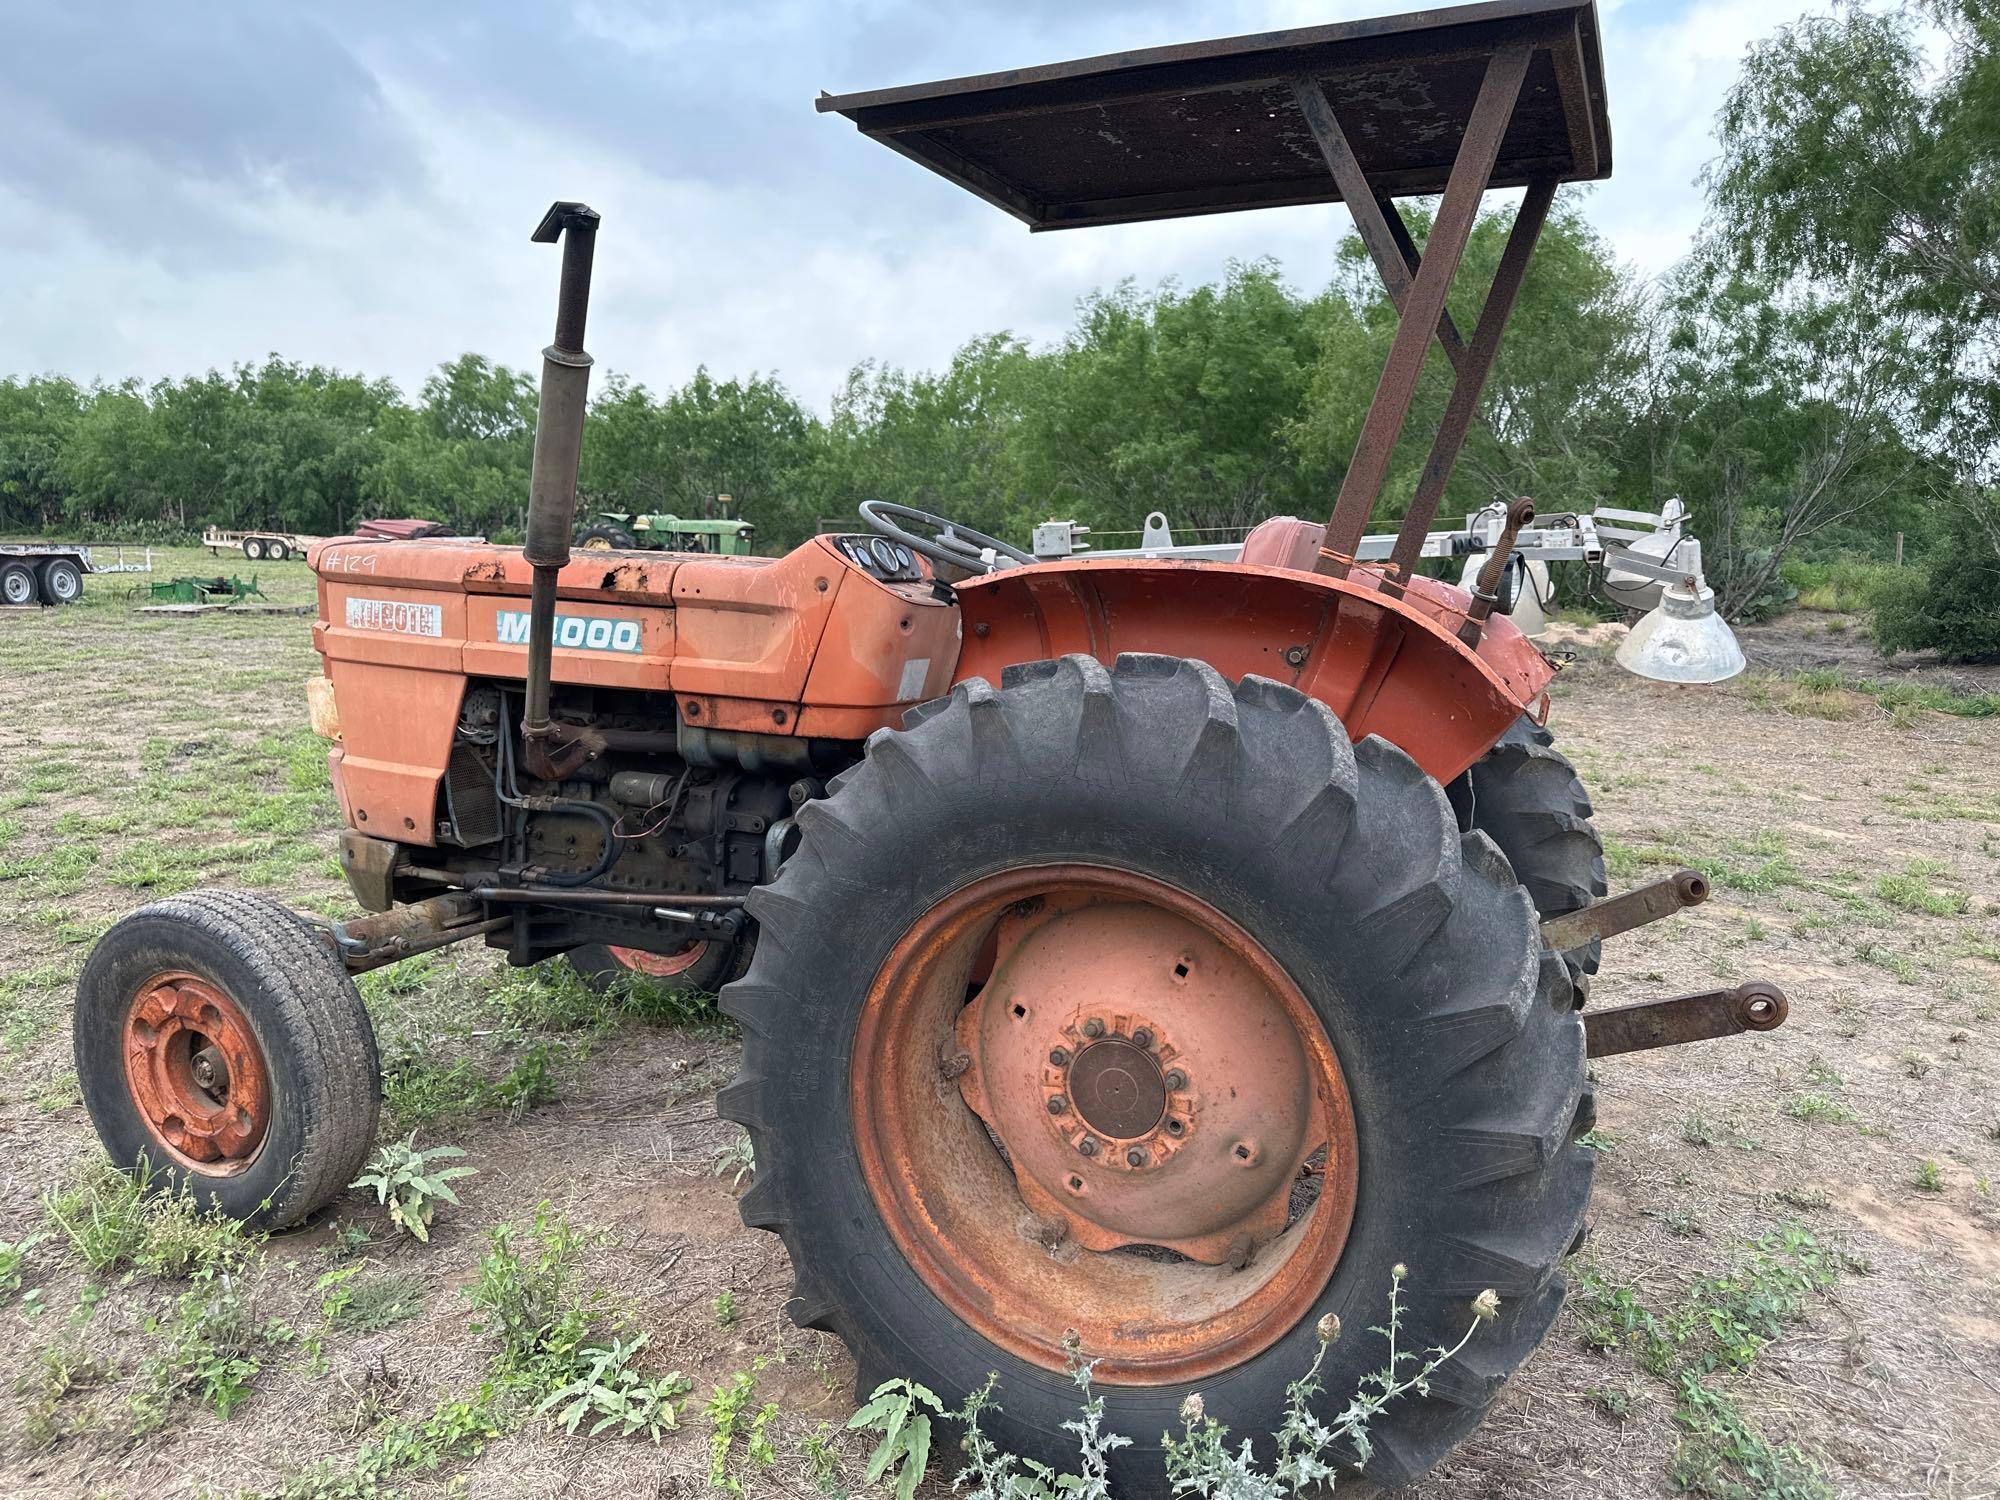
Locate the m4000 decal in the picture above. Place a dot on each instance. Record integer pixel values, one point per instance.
(573, 632)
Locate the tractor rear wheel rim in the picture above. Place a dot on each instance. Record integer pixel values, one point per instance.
(1110, 1137)
(196, 1073)
(661, 965)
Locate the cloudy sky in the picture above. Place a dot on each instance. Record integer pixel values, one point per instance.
(190, 185)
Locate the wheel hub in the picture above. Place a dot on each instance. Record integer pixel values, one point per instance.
(1118, 1088)
(1143, 1080)
(196, 1073)
(1136, 1074)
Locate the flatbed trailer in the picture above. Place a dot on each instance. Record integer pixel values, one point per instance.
(259, 545)
(48, 573)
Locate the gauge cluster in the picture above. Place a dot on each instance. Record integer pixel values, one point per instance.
(879, 557)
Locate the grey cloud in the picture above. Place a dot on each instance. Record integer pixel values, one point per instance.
(135, 117)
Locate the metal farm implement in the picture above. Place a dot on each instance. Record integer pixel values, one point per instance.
(1150, 947)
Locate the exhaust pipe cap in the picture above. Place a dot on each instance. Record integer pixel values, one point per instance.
(1682, 639)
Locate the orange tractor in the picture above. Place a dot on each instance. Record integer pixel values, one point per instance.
(1157, 950)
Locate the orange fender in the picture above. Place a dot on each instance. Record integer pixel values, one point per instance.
(1385, 665)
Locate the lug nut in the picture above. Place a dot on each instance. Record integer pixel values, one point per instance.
(1060, 1057)
(1176, 1079)
(1057, 1104)
(1174, 1127)
(1093, 1027)
(1136, 1157)
(1142, 1037)
(1088, 1145)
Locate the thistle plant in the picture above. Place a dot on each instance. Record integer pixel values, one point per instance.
(411, 1184)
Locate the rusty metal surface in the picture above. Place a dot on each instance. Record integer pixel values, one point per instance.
(1157, 1092)
(1381, 227)
(1621, 913)
(196, 1073)
(1472, 172)
(371, 942)
(1756, 1006)
(1009, 1263)
(1210, 127)
(1472, 370)
(1385, 665)
(1485, 588)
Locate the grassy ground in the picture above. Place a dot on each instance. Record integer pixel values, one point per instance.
(1792, 1287)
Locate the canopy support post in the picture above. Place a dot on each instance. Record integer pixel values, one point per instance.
(1471, 384)
(1423, 308)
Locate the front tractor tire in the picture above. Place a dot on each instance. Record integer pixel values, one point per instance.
(1130, 1003)
(221, 1047)
(1526, 796)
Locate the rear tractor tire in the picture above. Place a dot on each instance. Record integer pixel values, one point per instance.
(606, 537)
(222, 1047)
(1526, 796)
(1130, 1003)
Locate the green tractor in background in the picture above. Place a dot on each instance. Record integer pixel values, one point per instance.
(621, 531)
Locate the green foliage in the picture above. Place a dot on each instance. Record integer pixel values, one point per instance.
(731, 1415)
(524, 1295)
(1914, 889)
(355, 1302)
(1725, 1457)
(901, 1411)
(1951, 604)
(609, 1389)
(1840, 584)
(1849, 157)
(727, 1313)
(411, 1183)
(213, 1343)
(13, 1256)
(116, 1219)
(1930, 1177)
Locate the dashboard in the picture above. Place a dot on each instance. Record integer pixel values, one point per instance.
(879, 558)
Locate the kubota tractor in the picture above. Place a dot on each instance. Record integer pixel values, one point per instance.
(1148, 950)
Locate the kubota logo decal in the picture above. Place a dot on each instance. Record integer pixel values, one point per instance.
(573, 632)
(398, 616)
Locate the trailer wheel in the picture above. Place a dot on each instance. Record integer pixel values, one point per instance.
(62, 581)
(606, 537)
(1526, 796)
(277, 551)
(220, 1045)
(253, 548)
(706, 965)
(17, 583)
(1262, 1024)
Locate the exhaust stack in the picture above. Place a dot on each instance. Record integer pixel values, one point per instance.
(558, 451)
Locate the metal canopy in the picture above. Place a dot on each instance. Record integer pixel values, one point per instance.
(1213, 126)
(1451, 102)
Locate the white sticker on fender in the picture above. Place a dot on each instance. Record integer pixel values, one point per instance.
(397, 616)
(911, 684)
(573, 632)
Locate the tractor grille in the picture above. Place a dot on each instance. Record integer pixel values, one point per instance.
(469, 798)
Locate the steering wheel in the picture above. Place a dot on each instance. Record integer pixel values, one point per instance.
(949, 543)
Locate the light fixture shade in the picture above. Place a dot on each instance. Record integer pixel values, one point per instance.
(1683, 639)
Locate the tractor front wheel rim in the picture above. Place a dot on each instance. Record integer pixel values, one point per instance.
(1119, 1134)
(197, 1074)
